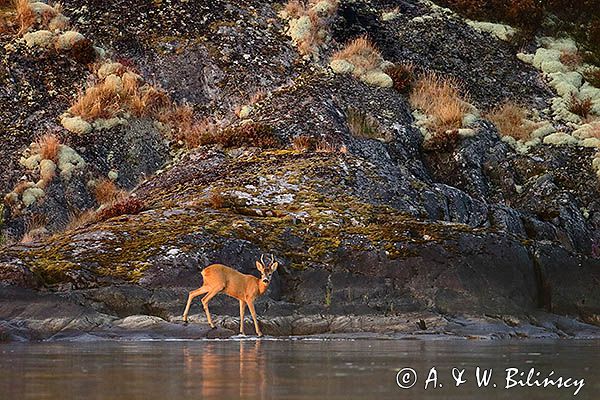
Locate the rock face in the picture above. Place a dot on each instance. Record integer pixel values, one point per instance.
(372, 226)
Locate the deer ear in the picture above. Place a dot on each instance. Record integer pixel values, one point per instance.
(260, 267)
(274, 266)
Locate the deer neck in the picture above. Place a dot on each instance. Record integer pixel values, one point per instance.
(262, 287)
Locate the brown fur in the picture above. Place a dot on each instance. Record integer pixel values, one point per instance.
(219, 278)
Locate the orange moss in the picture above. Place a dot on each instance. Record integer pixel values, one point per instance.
(508, 118)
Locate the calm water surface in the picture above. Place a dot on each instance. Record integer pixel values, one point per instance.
(288, 369)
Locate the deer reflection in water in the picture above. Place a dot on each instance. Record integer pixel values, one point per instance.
(207, 371)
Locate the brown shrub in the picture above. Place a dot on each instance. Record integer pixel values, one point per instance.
(362, 53)
(35, 228)
(126, 206)
(593, 77)
(81, 219)
(325, 146)
(508, 118)
(186, 128)
(49, 145)
(571, 59)
(254, 134)
(216, 199)
(99, 101)
(583, 108)
(106, 191)
(402, 75)
(441, 100)
(302, 143)
(26, 17)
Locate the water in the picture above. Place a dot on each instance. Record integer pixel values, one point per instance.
(287, 369)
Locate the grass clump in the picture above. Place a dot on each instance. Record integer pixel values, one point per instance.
(510, 120)
(440, 99)
(361, 53)
(49, 146)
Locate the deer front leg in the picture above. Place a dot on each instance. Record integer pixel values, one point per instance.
(242, 309)
(191, 296)
(253, 312)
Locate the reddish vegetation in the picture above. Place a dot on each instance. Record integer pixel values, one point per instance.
(216, 199)
(302, 143)
(403, 76)
(571, 60)
(508, 118)
(129, 205)
(49, 146)
(583, 108)
(442, 141)
(106, 191)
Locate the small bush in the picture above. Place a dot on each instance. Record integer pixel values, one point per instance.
(361, 53)
(49, 146)
(441, 100)
(302, 143)
(593, 77)
(127, 206)
(83, 51)
(402, 75)
(508, 118)
(26, 17)
(81, 219)
(583, 108)
(216, 199)
(106, 191)
(254, 134)
(571, 59)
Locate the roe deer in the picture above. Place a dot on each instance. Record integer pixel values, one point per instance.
(246, 288)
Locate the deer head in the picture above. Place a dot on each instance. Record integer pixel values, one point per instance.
(266, 272)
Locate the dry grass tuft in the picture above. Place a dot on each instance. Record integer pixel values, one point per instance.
(35, 228)
(185, 128)
(325, 146)
(403, 76)
(81, 219)
(302, 143)
(106, 191)
(508, 118)
(99, 101)
(253, 134)
(126, 206)
(49, 146)
(26, 17)
(362, 53)
(583, 108)
(441, 100)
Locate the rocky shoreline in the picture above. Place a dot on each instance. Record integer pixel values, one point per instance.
(32, 316)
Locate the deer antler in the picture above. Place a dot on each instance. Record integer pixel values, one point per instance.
(261, 259)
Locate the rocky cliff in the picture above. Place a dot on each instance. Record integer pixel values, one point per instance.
(436, 171)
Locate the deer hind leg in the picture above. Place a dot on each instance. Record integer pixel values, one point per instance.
(191, 296)
(205, 301)
(253, 312)
(242, 309)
